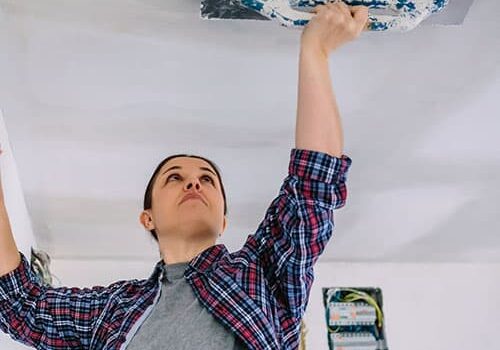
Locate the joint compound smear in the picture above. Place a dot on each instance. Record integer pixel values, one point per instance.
(384, 15)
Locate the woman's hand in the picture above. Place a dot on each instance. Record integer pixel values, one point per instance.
(334, 24)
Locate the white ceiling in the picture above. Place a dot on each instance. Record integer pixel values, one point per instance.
(96, 93)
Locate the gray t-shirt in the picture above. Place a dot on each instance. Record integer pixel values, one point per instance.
(179, 322)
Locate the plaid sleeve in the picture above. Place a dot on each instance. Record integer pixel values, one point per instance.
(299, 223)
(45, 317)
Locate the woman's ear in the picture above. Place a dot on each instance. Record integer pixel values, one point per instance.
(147, 220)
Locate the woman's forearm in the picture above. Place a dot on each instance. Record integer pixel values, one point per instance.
(318, 126)
(9, 254)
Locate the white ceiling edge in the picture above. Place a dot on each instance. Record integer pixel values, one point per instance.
(453, 14)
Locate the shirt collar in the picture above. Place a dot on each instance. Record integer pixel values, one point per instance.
(202, 263)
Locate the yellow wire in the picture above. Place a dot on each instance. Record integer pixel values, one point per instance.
(357, 295)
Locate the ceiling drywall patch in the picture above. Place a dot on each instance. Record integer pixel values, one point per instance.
(384, 15)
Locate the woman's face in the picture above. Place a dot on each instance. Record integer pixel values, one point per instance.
(191, 218)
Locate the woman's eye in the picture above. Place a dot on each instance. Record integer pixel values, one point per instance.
(206, 176)
(168, 178)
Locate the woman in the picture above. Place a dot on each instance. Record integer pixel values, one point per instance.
(199, 295)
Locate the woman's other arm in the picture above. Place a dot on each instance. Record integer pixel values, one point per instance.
(38, 315)
(9, 254)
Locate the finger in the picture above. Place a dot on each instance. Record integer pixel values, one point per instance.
(360, 15)
(318, 8)
(343, 7)
(358, 8)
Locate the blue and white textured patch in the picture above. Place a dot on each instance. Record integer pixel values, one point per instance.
(404, 15)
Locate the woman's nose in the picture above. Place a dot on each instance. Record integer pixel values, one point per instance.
(190, 184)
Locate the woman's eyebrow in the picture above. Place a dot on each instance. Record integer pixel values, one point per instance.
(179, 167)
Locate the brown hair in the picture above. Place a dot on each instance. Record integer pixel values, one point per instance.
(148, 196)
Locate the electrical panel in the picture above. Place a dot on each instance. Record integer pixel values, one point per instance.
(354, 318)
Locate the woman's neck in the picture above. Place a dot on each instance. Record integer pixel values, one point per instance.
(175, 250)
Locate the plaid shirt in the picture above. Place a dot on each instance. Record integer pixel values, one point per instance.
(260, 292)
